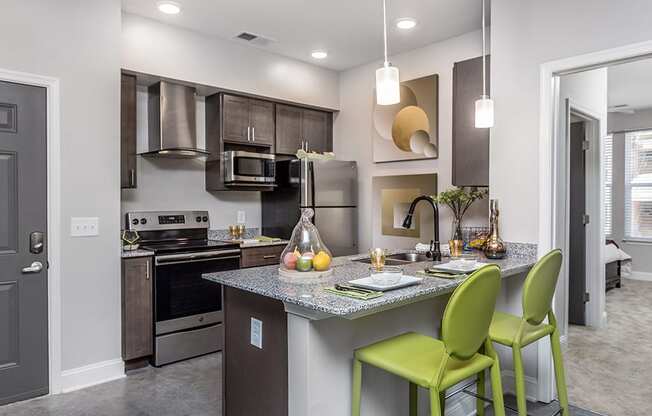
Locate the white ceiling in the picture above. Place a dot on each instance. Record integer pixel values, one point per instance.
(631, 84)
(350, 30)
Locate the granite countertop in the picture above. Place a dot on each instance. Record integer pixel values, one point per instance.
(136, 253)
(266, 281)
(253, 244)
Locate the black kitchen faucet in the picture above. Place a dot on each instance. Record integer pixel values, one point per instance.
(435, 251)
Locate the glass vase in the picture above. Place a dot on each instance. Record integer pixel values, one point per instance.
(456, 243)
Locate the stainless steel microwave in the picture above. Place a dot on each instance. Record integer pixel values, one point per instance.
(249, 168)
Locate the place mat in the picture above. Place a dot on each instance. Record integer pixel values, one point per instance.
(354, 295)
(442, 275)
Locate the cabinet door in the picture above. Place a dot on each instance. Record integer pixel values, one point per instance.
(288, 129)
(128, 132)
(261, 120)
(235, 118)
(137, 308)
(470, 145)
(315, 128)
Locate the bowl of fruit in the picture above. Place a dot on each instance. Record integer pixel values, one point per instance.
(306, 256)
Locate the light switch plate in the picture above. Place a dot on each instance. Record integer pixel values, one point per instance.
(84, 226)
(241, 217)
(256, 333)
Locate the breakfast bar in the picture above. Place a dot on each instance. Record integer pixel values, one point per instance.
(292, 343)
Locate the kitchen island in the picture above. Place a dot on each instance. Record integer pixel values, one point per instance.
(289, 346)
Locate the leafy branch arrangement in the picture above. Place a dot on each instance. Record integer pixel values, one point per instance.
(460, 199)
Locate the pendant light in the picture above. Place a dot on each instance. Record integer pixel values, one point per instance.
(484, 107)
(387, 84)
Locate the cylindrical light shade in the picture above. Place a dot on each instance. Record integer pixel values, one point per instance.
(388, 90)
(484, 112)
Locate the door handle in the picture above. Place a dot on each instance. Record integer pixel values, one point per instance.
(35, 267)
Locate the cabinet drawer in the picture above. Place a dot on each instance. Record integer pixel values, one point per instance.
(261, 256)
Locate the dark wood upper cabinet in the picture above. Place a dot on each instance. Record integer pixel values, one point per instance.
(288, 129)
(137, 308)
(128, 173)
(296, 126)
(470, 144)
(247, 120)
(315, 127)
(235, 119)
(261, 119)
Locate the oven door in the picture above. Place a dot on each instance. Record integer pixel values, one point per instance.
(249, 167)
(183, 298)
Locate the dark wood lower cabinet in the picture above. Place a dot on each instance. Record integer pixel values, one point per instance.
(261, 256)
(137, 310)
(254, 380)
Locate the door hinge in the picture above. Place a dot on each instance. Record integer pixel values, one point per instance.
(586, 297)
(586, 145)
(586, 219)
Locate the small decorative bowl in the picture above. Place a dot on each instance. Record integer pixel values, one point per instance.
(388, 275)
(130, 247)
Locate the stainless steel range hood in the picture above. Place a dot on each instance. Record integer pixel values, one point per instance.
(171, 122)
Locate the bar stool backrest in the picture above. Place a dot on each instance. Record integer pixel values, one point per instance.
(467, 316)
(539, 287)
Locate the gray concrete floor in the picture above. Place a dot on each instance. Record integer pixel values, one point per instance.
(188, 388)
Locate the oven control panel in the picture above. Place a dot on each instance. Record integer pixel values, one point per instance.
(166, 220)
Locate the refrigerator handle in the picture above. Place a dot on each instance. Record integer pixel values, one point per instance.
(311, 173)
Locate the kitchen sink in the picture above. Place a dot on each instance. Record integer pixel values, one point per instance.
(399, 259)
(408, 257)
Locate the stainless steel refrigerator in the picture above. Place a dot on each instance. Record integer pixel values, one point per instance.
(330, 188)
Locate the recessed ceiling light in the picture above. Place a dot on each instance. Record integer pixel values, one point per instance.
(319, 54)
(169, 7)
(406, 23)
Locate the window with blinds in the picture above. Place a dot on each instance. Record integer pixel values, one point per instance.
(608, 145)
(638, 186)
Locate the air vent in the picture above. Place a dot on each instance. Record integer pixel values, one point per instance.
(254, 39)
(247, 36)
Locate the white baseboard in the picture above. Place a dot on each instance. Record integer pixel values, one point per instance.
(531, 385)
(640, 276)
(92, 374)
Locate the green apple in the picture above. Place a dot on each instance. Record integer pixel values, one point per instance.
(304, 264)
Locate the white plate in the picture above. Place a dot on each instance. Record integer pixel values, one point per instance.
(459, 266)
(368, 283)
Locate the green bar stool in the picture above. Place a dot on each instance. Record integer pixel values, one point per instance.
(517, 332)
(439, 364)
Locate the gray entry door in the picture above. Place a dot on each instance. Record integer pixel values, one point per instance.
(23, 255)
(577, 231)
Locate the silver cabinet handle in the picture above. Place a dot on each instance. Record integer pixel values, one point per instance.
(253, 134)
(35, 267)
(248, 133)
(132, 177)
(270, 256)
(147, 271)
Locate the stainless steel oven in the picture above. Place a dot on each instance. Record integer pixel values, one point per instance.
(188, 318)
(247, 168)
(188, 311)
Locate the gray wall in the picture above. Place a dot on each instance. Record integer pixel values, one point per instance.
(641, 252)
(152, 47)
(525, 34)
(353, 133)
(79, 43)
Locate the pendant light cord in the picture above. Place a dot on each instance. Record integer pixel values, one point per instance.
(385, 31)
(484, 53)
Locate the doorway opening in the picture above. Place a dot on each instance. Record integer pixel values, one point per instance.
(600, 150)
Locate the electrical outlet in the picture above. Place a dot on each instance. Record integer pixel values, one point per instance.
(84, 226)
(241, 217)
(256, 333)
